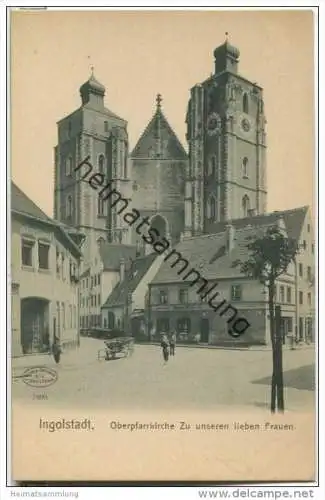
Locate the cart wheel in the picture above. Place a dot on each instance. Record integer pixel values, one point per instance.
(101, 354)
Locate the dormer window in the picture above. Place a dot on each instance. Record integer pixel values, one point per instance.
(163, 297)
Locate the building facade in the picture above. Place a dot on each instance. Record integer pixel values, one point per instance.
(126, 305)
(176, 305)
(226, 176)
(45, 264)
(110, 263)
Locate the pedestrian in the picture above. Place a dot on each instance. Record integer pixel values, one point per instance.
(56, 349)
(165, 347)
(172, 343)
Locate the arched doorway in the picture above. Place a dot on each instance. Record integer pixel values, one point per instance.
(245, 206)
(159, 223)
(34, 325)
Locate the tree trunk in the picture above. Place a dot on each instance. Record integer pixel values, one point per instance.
(278, 360)
(280, 389)
(274, 384)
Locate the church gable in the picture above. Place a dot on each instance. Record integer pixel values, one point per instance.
(159, 136)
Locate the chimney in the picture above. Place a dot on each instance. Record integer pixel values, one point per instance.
(230, 237)
(122, 270)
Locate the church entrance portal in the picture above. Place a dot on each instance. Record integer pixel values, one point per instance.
(160, 225)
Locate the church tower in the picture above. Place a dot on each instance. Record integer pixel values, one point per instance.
(95, 132)
(226, 177)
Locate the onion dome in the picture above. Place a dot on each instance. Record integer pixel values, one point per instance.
(91, 87)
(227, 50)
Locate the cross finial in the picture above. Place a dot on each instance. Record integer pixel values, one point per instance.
(91, 67)
(158, 101)
(227, 36)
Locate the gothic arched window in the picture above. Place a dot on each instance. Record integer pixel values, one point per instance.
(69, 206)
(68, 166)
(245, 205)
(245, 167)
(100, 206)
(213, 165)
(245, 103)
(101, 164)
(211, 208)
(125, 165)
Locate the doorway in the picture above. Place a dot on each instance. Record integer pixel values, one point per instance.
(205, 330)
(34, 325)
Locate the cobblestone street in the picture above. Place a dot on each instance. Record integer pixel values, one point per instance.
(194, 379)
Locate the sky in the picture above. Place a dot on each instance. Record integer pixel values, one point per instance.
(137, 54)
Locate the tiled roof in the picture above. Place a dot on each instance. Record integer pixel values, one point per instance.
(293, 218)
(111, 255)
(20, 203)
(132, 279)
(171, 146)
(209, 256)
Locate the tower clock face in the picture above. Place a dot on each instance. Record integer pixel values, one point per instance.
(245, 124)
(213, 124)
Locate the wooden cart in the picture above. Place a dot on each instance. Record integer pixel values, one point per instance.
(120, 347)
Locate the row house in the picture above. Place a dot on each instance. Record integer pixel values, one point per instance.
(45, 260)
(98, 281)
(175, 305)
(125, 307)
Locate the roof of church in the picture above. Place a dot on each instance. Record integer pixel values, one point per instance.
(207, 254)
(171, 147)
(112, 253)
(103, 111)
(131, 281)
(23, 205)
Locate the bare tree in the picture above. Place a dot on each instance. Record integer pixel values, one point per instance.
(270, 256)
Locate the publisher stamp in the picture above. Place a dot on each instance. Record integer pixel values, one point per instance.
(39, 376)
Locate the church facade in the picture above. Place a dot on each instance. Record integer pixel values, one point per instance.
(159, 164)
(185, 196)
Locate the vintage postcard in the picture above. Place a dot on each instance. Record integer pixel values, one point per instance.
(163, 241)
